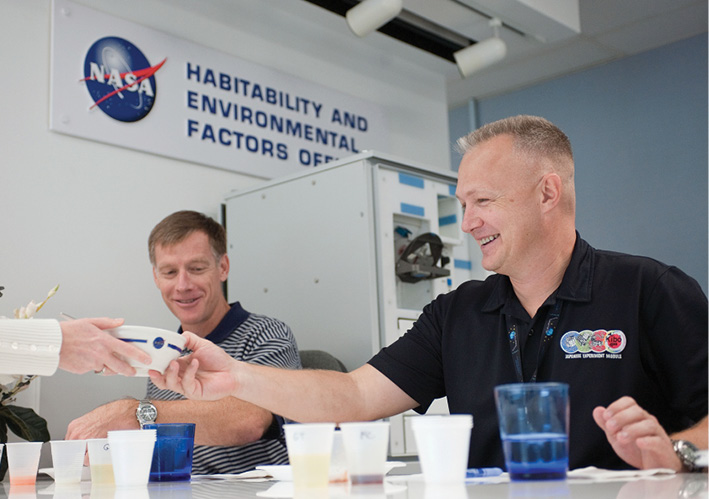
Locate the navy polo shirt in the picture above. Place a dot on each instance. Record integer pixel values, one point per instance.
(628, 325)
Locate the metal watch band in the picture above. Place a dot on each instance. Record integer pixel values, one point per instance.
(687, 453)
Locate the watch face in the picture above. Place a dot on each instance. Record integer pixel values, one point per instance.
(147, 413)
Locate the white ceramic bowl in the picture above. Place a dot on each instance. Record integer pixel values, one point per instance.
(162, 345)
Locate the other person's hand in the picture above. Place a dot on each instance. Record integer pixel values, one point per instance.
(87, 347)
(208, 373)
(116, 415)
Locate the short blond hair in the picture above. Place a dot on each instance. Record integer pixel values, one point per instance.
(176, 227)
(532, 135)
(536, 139)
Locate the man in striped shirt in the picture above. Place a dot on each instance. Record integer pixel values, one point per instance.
(188, 254)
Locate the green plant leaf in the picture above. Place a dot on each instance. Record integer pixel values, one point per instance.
(24, 423)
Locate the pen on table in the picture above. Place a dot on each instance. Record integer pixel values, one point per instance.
(482, 472)
(66, 317)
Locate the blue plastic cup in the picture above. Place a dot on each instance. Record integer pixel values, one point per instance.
(172, 459)
(534, 428)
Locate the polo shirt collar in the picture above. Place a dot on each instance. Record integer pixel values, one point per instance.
(575, 286)
(233, 319)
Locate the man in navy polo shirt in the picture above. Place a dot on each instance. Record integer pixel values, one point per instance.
(627, 333)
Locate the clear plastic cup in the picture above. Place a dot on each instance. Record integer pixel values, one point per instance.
(443, 444)
(534, 428)
(309, 450)
(338, 459)
(23, 462)
(366, 446)
(68, 460)
(132, 456)
(172, 459)
(100, 461)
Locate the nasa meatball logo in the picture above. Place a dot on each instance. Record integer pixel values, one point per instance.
(120, 79)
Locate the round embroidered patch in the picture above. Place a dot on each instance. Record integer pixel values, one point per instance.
(568, 342)
(615, 341)
(583, 340)
(598, 341)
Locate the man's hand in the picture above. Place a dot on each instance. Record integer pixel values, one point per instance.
(636, 436)
(116, 415)
(205, 374)
(86, 347)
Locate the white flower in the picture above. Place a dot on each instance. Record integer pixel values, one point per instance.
(32, 307)
(26, 312)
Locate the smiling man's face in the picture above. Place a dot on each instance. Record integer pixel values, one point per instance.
(498, 192)
(190, 279)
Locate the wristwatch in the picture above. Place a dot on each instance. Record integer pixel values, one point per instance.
(146, 412)
(687, 453)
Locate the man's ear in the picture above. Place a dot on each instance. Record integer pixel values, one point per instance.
(550, 191)
(155, 276)
(224, 267)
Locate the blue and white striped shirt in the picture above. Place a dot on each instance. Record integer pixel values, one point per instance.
(250, 338)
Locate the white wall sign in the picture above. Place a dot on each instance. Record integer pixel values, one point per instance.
(122, 83)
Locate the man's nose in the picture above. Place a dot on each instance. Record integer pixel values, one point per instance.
(471, 220)
(183, 280)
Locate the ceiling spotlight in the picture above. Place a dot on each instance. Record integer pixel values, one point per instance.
(482, 54)
(370, 15)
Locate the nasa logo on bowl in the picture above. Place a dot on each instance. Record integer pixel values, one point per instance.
(120, 80)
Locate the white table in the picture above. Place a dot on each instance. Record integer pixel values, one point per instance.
(396, 487)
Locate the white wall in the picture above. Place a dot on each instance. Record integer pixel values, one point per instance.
(78, 213)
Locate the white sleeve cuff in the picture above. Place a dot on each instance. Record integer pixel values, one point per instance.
(29, 346)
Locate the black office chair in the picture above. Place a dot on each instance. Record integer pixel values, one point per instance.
(319, 359)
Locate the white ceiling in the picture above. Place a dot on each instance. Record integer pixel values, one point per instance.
(610, 29)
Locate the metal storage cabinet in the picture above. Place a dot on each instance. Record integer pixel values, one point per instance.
(319, 249)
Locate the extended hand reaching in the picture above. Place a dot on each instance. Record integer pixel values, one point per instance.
(208, 373)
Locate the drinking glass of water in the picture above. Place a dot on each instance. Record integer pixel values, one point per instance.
(534, 428)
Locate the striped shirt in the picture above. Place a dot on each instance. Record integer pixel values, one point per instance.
(256, 339)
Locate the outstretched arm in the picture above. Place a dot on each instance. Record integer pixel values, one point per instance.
(303, 395)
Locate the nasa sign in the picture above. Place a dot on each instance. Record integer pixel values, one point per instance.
(139, 88)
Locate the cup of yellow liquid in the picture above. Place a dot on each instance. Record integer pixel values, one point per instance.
(309, 448)
(100, 461)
